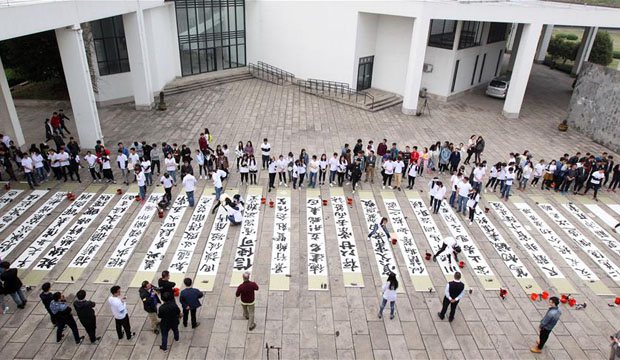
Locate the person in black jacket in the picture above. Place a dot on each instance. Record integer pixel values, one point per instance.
(149, 298)
(190, 302)
(12, 284)
(3, 308)
(46, 298)
(165, 285)
(455, 290)
(169, 313)
(63, 317)
(85, 310)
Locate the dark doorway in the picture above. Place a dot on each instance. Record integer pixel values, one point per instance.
(364, 73)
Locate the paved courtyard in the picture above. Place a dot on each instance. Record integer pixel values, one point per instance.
(341, 322)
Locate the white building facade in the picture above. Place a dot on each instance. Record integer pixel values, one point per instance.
(128, 50)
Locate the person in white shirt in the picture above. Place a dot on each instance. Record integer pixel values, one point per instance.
(6, 140)
(439, 193)
(189, 183)
(595, 182)
(106, 168)
(133, 159)
(28, 166)
(548, 175)
(454, 180)
(244, 169)
(119, 311)
(526, 173)
(217, 177)
(333, 168)
(141, 179)
(455, 290)
(145, 164)
(479, 173)
(265, 149)
(463, 188)
(122, 162)
(412, 173)
(323, 165)
(253, 166)
(63, 158)
(388, 173)
(454, 248)
(431, 189)
(389, 294)
(301, 171)
(92, 160)
(493, 176)
(171, 167)
(200, 160)
(313, 169)
(235, 211)
(281, 165)
(474, 199)
(166, 181)
(39, 166)
(343, 164)
(510, 176)
(399, 166)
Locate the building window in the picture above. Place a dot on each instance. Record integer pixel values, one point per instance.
(110, 46)
(442, 33)
(497, 32)
(211, 34)
(456, 72)
(471, 34)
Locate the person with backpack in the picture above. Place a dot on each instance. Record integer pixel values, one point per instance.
(389, 294)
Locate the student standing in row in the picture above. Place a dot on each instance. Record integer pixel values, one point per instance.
(86, 314)
(265, 148)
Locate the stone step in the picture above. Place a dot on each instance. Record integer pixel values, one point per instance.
(386, 103)
(186, 86)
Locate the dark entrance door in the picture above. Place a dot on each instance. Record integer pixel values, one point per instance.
(364, 73)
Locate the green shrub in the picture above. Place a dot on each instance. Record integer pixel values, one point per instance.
(616, 54)
(602, 49)
(562, 49)
(572, 37)
(560, 36)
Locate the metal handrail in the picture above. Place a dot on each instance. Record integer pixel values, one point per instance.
(264, 73)
(285, 74)
(335, 89)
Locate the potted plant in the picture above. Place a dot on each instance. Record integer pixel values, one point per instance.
(563, 125)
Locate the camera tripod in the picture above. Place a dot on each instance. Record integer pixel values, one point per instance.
(424, 107)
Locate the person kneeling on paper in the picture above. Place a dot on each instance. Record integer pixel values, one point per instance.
(234, 207)
(452, 243)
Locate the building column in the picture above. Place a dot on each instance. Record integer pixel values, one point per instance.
(541, 53)
(515, 47)
(9, 123)
(521, 72)
(137, 50)
(77, 76)
(584, 48)
(417, 52)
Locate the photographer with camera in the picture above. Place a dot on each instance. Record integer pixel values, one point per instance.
(148, 295)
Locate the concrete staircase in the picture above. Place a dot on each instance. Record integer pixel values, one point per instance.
(194, 82)
(382, 100)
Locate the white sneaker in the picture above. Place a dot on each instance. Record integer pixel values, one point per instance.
(383, 187)
(470, 223)
(391, 188)
(280, 182)
(285, 185)
(353, 191)
(331, 184)
(485, 190)
(348, 183)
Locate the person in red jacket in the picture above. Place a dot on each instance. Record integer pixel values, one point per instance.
(382, 149)
(246, 292)
(55, 122)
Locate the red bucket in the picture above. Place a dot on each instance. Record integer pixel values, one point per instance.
(263, 201)
(271, 203)
(324, 202)
(564, 299)
(350, 201)
(428, 256)
(394, 241)
(617, 301)
(119, 192)
(545, 295)
(572, 302)
(503, 293)
(534, 296)
(461, 264)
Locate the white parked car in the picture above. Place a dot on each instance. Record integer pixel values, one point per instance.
(498, 87)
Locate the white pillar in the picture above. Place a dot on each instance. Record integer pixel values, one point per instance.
(137, 49)
(515, 46)
(413, 79)
(584, 48)
(544, 43)
(77, 76)
(521, 71)
(9, 122)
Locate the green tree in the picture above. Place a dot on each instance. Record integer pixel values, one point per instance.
(34, 57)
(562, 49)
(602, 49)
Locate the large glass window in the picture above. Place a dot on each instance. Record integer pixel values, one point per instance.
(110, 46)
(497, 32)
(211, 34)
(442, 33)
(471, 34)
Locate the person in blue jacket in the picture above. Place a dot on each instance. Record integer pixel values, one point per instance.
(190, 302)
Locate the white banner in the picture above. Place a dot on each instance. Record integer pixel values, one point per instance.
(23, 230)
(98, 238)
(586, 245)
(212, 253)
(53, 230)
(183, 255)
(248, 236)
(157, 250)
(579, 267)
(594, 228)
(8, 197)
(407, 245)
(132, 237)
(62, 246)
(281, 241)
(381, 245)
(21, 207)
(317, 256)
(349, 260)
(536, 252)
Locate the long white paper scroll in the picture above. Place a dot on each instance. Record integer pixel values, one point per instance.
(317, 253)
(212, 253)
(8, 197)
(415, 265)
(349, 257)
(248, 237)
(586, 245)
(593, 227)
(53, 230)
(125, 248)
(18, 210)
(96, 240)
(23, 230)
(432, 234)
(603, 215)
(281, 243)
(470, 250)
(508, 256)
(185, 250)
(62, 246)
(615, 208)
(381, 246)
(155, 254)
(580, 268)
